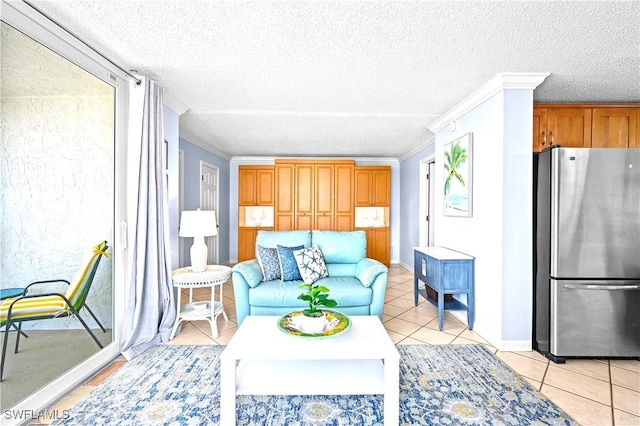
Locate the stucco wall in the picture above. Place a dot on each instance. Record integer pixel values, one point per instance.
(57, 199)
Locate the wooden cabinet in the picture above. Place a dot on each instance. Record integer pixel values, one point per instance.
(256, 188)
(615, 128)
(314, 194)
(343, 207)
(372, 186)
(585, 125)
(256, 185)
(324, 211)
(566, 126)
(378, 244)
(445, 272)
(284, 213)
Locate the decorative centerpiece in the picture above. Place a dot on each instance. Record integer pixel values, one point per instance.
(314, 320)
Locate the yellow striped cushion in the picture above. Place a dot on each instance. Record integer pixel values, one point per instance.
(32, 307)
(73, 291)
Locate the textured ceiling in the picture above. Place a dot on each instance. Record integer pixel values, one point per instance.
(349, 78)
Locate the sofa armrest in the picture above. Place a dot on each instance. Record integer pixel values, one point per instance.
(367, 270)
(250, 272)
(244, 275)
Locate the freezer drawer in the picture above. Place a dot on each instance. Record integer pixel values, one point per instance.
(595, 318)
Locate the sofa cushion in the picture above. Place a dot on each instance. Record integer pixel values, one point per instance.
(288, 267)
(340, 246)
(347, 291)
(284, 238)
(269, 263)
(311, 264)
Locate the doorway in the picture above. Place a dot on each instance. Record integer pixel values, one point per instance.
(209, 201)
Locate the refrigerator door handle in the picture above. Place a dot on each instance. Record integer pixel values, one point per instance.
(602, 287)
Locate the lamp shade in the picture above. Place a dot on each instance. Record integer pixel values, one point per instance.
(198, 223)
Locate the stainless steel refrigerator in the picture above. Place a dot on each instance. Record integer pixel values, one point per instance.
(587, 253)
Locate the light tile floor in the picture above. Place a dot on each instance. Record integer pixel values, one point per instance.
(593, 392)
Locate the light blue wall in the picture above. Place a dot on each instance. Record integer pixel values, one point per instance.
(499, 233)
(409, 203)
(517, 237)
(171, 130)
(193, 155)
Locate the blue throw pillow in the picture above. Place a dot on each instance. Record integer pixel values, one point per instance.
(269, 263)
(288, 265)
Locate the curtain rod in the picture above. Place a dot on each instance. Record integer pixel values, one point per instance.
(138, 81)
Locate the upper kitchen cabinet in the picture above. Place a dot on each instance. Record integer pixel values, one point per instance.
(372, 186)
(585, 125)
(615, 128)
(559, 125)
(256, 185)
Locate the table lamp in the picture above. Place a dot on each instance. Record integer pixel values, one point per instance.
(257, 215)
(198, 224)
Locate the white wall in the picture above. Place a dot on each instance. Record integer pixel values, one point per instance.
(499, 233)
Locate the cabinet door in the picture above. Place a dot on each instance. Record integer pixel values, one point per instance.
(284, 197)
(540, 141)
(264, 187)
(569, 127)
(344, 213)
(246, 186)
(324, 190)
(381, 187)
(614, 128)
(380, 245)
(304, 189)
(246, 243)
(363, 189)
(303, 199)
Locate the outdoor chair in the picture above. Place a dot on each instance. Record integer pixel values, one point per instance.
(46, 304)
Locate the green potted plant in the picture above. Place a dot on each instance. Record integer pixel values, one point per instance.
(316, 296)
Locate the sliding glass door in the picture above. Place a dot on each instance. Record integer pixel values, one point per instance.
(58, 198)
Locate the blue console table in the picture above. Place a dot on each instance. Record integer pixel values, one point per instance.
(447, 272)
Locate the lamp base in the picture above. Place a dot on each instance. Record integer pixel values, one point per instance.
(198, 254)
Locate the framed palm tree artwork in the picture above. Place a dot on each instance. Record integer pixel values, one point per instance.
(458, 192)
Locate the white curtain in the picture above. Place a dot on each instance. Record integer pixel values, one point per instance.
(150, 312)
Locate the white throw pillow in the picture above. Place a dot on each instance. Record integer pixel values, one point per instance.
(311, 264)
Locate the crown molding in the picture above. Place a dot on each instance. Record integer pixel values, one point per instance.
(174, 103)
(429, 140)
(502, 81)
(358, 160)
(200, 144)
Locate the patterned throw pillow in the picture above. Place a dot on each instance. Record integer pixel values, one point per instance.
(269, 263)
(288, 266)
(311, 264)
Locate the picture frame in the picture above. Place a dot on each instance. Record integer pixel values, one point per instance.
(458, 177)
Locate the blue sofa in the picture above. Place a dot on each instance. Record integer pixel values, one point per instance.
(356, 282)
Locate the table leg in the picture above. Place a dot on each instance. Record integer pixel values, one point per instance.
(212, 317)
(391, 392)
(227, 391)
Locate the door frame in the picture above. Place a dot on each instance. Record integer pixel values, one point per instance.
(426, 229)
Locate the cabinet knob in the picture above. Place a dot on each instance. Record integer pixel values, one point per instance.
(544, 138)
(553, 139)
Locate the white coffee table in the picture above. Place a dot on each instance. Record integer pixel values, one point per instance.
(260, 359)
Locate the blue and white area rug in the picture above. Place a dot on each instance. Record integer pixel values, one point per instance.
(439, 385)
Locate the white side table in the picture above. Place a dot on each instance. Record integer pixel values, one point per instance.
(215, 275)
